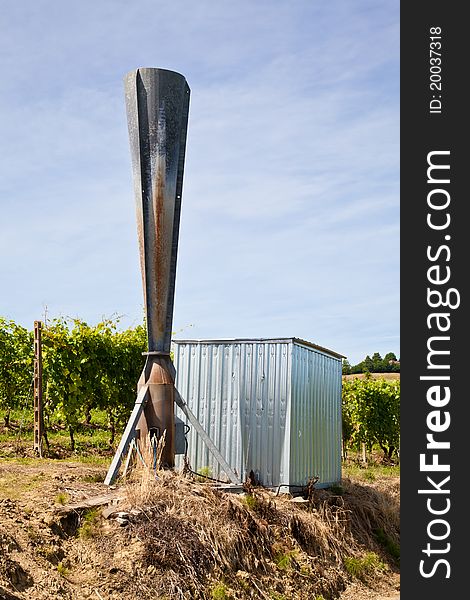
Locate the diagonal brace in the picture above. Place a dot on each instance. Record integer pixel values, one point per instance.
(128, 435)
(206, 439)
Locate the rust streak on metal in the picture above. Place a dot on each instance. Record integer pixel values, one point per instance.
(159, 413)
(159, 257)
(140, 237)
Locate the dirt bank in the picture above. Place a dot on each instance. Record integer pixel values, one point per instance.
(181, 538)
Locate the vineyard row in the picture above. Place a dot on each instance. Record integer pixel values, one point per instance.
(96, 367)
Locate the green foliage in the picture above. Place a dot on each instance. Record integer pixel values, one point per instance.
(364, 565)
(369, 476)
(376, 364)
(283, 560)
(91, 372)
(219, 591)
(390, 545)
(61, 498)
(91, 367)
(372, 472)
(204, 473)
(250, 501)
(371, 414)
(62, 570)
(90, 524)
(85, 368)
(16, 366)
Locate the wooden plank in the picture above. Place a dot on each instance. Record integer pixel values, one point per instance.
(91, 502)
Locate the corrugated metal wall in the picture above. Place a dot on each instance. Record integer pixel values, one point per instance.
(315, 416)
(253, 398)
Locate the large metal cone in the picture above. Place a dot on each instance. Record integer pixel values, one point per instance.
(157, 103)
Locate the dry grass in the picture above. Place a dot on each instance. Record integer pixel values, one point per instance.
(373, 509)
(386, 376)
(199, 541)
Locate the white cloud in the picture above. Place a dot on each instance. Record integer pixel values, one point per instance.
(290, 202)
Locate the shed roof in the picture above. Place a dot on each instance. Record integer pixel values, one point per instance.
(284, 340)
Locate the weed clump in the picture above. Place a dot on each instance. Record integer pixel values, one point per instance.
(90, 524)
(62, 570)
(364, 566)
(61, 498)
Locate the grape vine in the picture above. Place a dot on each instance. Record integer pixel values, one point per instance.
(97, 367)
(371, 414)
(84, 367)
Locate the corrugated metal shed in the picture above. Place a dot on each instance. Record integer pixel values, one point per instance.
(272, 406)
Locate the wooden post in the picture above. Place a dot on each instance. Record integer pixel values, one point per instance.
(364, 455)
(38, 416)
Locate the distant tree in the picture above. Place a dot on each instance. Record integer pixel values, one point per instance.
(377, 362)
(391, 363)
(367, 364)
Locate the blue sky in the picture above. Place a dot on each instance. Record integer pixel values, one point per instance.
(290, 215)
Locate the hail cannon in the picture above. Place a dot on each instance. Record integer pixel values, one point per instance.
(157, 103)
